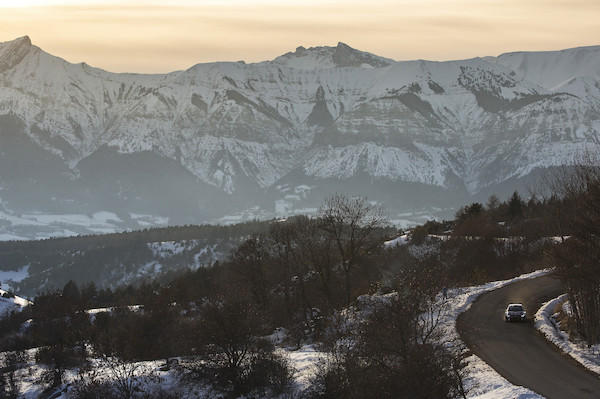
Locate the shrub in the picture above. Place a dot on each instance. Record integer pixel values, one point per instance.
(391, 353)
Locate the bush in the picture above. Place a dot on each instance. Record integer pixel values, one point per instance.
(232, 357)
(115, 378)
(268, 371)
(59, 358)
(391, 353)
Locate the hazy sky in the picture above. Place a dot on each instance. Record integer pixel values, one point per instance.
(163, 36)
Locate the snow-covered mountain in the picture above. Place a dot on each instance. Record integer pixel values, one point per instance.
(276, 136)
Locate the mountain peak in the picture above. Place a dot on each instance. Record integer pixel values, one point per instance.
(12, 52)
(22, 41)
(330, 57)
(346, 56)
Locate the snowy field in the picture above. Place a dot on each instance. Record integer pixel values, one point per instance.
(39, 226)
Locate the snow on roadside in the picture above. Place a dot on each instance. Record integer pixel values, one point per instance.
(588, 357)
(482, 382)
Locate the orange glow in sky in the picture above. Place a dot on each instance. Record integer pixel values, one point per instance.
(162, 36)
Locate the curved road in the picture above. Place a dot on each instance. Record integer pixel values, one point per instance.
(517, 350)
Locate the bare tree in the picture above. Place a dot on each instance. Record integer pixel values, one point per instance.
(126, 377)
(9, 388)
(578, 258)
(318, 255)
(227, 331)
(250, 264)
(114, 377)
(291, 265)
(233, 351)
(351, 224)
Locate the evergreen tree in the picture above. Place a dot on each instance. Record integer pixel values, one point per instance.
(71, 292)
(515, 206)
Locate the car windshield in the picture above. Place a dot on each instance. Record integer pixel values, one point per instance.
(515, 308)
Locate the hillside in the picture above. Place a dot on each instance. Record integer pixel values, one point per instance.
(112, 260)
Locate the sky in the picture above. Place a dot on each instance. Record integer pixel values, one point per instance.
(151, 36)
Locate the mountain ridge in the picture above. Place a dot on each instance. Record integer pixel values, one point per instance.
(250, 133)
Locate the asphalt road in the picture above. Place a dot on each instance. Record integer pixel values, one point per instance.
(517, 350)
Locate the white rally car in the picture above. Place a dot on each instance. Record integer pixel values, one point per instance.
(515, 311)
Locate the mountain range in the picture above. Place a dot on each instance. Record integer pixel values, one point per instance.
(229, 140)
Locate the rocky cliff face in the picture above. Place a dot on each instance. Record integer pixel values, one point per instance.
(276, 136)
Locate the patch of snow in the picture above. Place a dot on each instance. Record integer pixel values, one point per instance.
(402, 240)
(149, 220)
(168, 249)
(10, 304)
(252, 213)
(305, 362)
(106, 217)
(146, 376)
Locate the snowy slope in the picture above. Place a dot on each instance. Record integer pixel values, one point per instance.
(553, 69)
